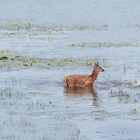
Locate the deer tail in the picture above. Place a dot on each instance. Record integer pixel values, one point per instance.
(65, 82)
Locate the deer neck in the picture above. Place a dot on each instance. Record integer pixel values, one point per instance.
(94, 75)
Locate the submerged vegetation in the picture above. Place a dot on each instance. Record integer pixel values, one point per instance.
(106, 44)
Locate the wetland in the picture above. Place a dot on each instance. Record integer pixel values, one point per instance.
(36, 53)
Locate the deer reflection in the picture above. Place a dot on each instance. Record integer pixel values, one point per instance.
(82, 91)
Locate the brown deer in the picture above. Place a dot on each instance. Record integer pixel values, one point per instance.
(83, 80)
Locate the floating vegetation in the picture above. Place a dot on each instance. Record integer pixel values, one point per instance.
(12, 60)
(106, 44)
(3, 58)
(41, 31)
(86, 27)
(19, 26)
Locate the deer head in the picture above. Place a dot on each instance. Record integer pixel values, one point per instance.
(98, 68)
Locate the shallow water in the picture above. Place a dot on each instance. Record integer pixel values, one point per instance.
(39, 48)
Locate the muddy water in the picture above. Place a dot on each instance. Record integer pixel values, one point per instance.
(36, 53)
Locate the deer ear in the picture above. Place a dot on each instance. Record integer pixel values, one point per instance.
(97, 63)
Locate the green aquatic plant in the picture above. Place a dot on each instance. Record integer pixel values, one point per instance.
(28, 26)
(12, 60)
(105, 44)
(119, 93)
(4, 58)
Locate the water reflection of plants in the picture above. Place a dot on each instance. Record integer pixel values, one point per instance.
(125, 96)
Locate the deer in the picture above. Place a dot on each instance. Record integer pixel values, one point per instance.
(83, 80)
